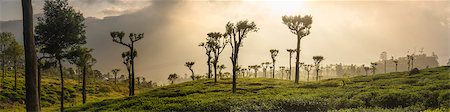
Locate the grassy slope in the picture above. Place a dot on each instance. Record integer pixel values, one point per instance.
(11, 100)
(388, 92)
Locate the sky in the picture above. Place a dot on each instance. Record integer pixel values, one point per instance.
(348, 32)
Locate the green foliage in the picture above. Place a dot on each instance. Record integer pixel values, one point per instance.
(384, 92)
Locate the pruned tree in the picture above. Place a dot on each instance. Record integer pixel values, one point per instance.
(307, 68)
(172, 78)
(291, 51)
(208, 50)
(255, 68)
(236, 33)
(189, 65)
(273, 54)
(126, 57)
(300, 26)
(317, 60)
(396, 64)
(218, 43)
(373, 67)
(58, 14)
(117, 37)
(265, 65)
(115, 72)
(81, 57)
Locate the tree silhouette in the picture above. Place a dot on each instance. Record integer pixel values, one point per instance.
(172, 78)
(5, 40)
(373, 67)
(236, 33)
(221, 67)
(300, 26)
(81, 57)
(31, 93)
(189, 65)
(264, 65)
(273, 54)
(317, 60)
(307, 69)
(282, 71)
(53, 40)
(208, 48)
(117, 37)
(115, 71)
(15, 53)
(127, 56)
(396, 64)
(291, 51)
(255, 68)
(218, 44)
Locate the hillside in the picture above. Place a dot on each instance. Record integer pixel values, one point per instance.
(11, 100)
(428, 90)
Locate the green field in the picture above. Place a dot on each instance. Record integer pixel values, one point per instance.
(11, 100)
(429, 90)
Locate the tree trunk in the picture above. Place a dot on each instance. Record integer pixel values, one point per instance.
(209, 67)
(273, 70)
(290, 66)
(62, 85)
(308, 77)
(297, 63)
(215, 69)
(192, 71)
(129, 82)
(234, 62)
(115, 78)
(32, 101)
(132, 68)
(317, 74)
(84, 85)
(39, 81)
(396, 67)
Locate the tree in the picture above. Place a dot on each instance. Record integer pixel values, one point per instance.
(189, 65)
(396, 64)
(81, 57)
(117, 37)
(208, 48)
(236, 33)
(172, 78)
(273, 54)
(291, 51)
(317, 60)
(256, 68)
(218, 43)
(56, 42)
(373, 67)
(5, 40)
(300, 26)
(264, 66)
(126, 57)
(115, 71)
(15, 53)
(410, 61)
(383, 57)
(221, 67)
(32, 96)
(307, 69)
(282, 71)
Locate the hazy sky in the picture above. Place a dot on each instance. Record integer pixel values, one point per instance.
(342, 32)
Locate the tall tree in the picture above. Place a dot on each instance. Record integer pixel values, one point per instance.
(300, 26)
(273, 54)
(31, 97)
(307, 69)
(15, 53)
(5, 40)
(291, 51)
(189, 65)
(126, 57)
(81, 57)
(396, 64)
(58, 14)
(373, 67)
(208, 49)
(172, 78)
(115, 72)
(317, 60)
(264, 65)
(236, 33)
(218, 43)
(117, 37)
